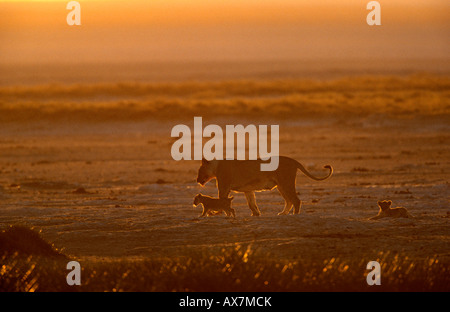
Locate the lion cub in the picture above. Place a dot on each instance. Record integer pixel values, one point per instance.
(387, 211)
(213, 206)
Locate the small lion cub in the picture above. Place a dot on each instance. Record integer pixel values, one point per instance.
(387, 211)
(213, 206)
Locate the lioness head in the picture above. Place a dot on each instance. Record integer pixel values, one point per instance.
(385, 204)
(205, 172)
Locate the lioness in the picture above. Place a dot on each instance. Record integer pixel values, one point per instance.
(245, 176)
(387, 211)
(212, 206)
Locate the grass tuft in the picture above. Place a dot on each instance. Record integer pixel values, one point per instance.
(235, 268)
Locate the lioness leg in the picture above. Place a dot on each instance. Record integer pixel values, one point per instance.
(287, 204)
(287, 208)
(251, 200)
(290, 196)
(297, 205)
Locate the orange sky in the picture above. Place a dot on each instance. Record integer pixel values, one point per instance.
(138, 30)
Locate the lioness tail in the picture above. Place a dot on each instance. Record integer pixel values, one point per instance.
(302, 169)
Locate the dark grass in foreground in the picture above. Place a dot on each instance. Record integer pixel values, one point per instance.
(236, 268)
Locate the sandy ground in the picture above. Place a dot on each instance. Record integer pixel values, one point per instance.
(111, 189)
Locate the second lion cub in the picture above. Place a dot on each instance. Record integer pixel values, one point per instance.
(211, 205)
(387, 211)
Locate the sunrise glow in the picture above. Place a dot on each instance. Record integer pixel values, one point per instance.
(182, 29)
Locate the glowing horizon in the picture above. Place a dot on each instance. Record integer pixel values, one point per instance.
(186, 29)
